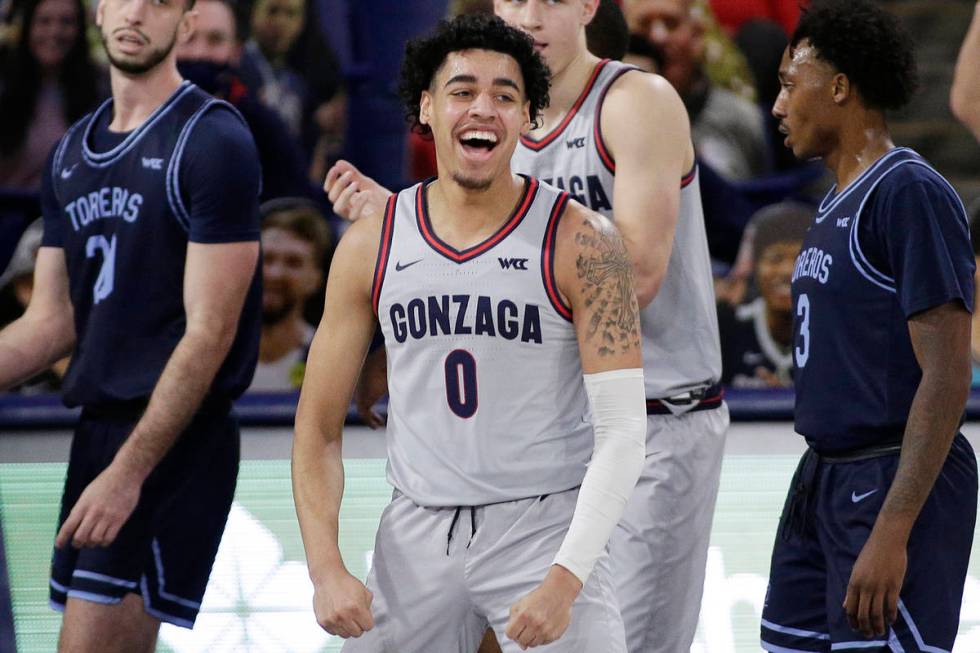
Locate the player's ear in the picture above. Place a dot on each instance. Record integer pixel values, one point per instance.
(840, 87)
(526, 126)
(99, 10)
(589, 8)
(425, 108)
(188, 23)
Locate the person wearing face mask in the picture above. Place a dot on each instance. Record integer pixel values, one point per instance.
(211, 58)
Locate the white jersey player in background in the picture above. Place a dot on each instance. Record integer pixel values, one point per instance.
(619, 141)
(495, 294)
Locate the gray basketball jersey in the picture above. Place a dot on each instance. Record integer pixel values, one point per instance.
(487, 401)
(681, 349)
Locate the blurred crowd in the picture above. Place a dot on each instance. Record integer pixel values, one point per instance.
(287, 66)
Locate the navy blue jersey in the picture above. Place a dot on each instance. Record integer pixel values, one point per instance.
(124, 217)
(894, 243)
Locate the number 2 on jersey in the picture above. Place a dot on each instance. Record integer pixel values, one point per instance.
(461, 383)
(107, 273)
(802, 350)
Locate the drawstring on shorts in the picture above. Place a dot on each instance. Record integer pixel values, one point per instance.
(452, 526)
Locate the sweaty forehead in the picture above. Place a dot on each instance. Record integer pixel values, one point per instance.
(482, 66)
(802, 58)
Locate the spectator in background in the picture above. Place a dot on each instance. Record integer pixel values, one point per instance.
(326, 125)
(285, 64)
(210, 59)
(18, 280)
(275, 26)
(295, 243)
(965, 94)
(48, 82)
(727, 129)
(756, 337)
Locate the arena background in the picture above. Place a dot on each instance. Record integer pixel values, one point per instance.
(259, 597)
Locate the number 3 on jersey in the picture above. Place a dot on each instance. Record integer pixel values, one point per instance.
(461, 391)
(802, 350)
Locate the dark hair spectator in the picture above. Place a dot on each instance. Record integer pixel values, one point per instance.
(756, 337)
(291, 69)
(424, 57)
(865, 43)
(49, 81)
(607, 36)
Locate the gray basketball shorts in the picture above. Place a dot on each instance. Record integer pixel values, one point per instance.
(441, 576)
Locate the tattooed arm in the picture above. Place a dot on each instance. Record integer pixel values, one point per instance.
(595, 279)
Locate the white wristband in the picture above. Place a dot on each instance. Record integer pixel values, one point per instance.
(618, 405)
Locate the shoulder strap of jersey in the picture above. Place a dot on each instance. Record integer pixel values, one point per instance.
(616, 70)
(548, 249)
(384, 250)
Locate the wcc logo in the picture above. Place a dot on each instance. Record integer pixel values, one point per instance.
(513, 263)
(575, 143)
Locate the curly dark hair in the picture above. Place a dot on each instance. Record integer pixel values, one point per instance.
(424, 56)
(866, 43)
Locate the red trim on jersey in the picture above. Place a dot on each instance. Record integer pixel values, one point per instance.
(548, 258)
(384, 250)
(461, 256)
(600, 143)
(689, 177)
(538, 145)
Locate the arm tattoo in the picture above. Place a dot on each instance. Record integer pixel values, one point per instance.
(606, 275)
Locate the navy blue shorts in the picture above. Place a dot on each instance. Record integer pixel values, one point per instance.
(819, 541)
(165, 551)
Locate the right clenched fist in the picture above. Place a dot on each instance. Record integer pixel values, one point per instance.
(343, 606)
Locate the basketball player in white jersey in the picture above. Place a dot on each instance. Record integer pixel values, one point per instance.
(495, 293)
(619, 141)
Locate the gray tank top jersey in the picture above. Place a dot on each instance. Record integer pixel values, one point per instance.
(487, 402)
(681, 349)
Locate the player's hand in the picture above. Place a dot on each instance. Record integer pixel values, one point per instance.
(876, 580)
(542, 616)
(353, 194)
(102, 509)
(342, 605)
(371, 386)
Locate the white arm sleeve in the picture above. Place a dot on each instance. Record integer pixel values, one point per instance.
(619, 418)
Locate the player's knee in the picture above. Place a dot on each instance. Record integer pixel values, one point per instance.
(124, 627)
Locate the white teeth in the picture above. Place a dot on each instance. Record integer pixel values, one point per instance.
(478, 134)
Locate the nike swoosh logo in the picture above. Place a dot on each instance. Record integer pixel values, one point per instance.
(399, 267)
(855, 497)
(67, 172)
